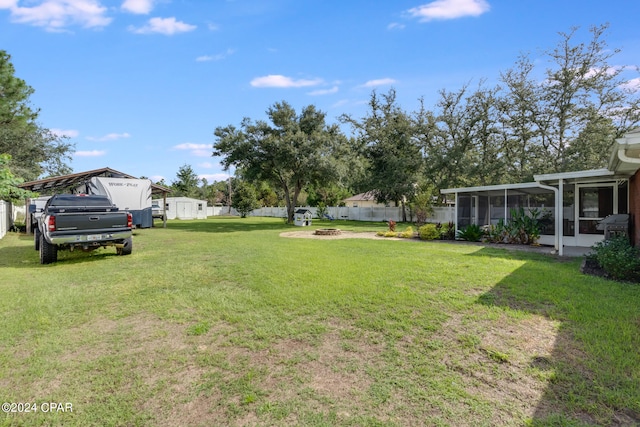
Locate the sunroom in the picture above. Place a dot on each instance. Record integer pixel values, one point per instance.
(570, 205)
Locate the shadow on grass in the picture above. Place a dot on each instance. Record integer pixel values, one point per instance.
(595, 363)
(28, 257)
(244, 225)
(227, 225)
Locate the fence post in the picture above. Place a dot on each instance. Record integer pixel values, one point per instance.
(4, 225)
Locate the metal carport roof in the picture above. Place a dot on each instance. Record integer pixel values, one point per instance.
(65, 181)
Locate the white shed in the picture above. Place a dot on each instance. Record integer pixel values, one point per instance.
(185, 208)
(302, 217)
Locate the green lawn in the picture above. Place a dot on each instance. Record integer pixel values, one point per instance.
(224, 322)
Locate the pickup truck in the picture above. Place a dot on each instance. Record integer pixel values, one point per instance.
(80, 221)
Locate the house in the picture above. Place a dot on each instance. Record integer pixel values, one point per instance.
(363, 200)
(573, 203)
(185, 208)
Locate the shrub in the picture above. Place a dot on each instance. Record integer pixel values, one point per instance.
(448, 231)
(522, 228)
(408, 233)
(497, 233)
(392, 225)
(390, 234)
(618, 258)
(471, 233)
(321, 210)
(429, 232)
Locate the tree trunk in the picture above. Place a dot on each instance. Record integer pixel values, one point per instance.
(404, 211)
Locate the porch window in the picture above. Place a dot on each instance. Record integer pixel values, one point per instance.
(568, 211)
(595, 204)
(464, 211)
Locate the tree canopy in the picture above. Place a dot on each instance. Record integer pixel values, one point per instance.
(557, 113)
(291, 152)
(186, 183)
(9, 189)
(34, 150)
(388, 142)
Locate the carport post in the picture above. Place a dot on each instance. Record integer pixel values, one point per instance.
(27, 216)
(558, 228)
(164, 209)
(455, 215)
(506, 197)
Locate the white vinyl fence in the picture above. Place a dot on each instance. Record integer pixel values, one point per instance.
(440, 214)
(5, 217)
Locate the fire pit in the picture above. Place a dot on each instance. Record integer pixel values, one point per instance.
(327, 232)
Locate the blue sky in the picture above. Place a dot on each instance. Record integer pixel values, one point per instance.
(140, 85)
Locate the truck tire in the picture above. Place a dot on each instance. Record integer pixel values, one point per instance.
(48, 252)
(127, 248)
(36, 239)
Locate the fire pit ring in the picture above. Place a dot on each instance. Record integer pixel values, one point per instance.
(327, 232)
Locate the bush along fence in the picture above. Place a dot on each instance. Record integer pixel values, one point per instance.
(374, 214)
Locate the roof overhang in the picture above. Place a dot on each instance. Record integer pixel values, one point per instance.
(576, 176)
(521, 188)
(542, 183)
(625, 154)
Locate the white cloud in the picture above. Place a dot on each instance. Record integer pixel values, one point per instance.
(109, 137)
(198, 150)
(218, 57)
(69, 133)
(324, 91)
(632, 85)
(379, 82)
(277, 80)
(206, 165)
(395, 26)
(340, 103)
(166, 26)
(90, 153)
(56, 15)
(211, 177)
(449, 9)
(140, 7)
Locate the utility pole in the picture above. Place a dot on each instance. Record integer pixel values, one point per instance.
(229, 199)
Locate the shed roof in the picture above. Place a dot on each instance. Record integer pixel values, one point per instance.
(366, 196)
(64, 181)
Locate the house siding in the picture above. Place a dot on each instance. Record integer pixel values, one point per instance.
(634, 208)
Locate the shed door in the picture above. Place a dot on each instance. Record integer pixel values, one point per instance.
(182, 210)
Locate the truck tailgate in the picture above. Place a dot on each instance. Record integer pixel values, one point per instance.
(91, 222)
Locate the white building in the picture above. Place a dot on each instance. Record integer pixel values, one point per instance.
(185, 208)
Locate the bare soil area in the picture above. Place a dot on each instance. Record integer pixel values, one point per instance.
(309, 234)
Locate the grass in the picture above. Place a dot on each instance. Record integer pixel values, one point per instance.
(224, 322)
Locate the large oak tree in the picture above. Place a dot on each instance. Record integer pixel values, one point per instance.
(291, 152)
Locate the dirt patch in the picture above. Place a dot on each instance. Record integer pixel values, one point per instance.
(495, 361)
(309, 234)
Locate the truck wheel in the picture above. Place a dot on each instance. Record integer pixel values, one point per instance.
(48, 252)
(127, 248)
(36, 239)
